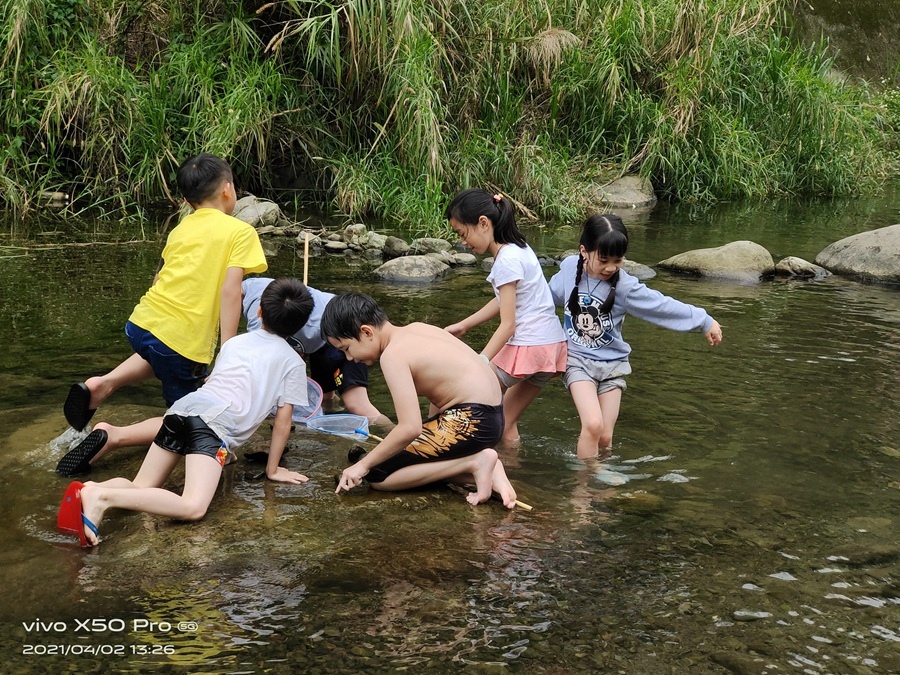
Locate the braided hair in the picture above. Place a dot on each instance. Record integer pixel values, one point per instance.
(606, 235)
(469, 205)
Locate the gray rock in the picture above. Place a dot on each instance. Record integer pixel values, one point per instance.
(464, 259)
(638, 270)
(429, 245)
(336, 246)
(487, 264)
(742, 261)
(394, 247)
(372, 254)
(54, 200)
(627, 192)
(445, 257)
(270, 247)
(635, 269)
(258, 212)
(412, 268)
(792, 266)
(315, 241)
(376, 240)
(355, 230)
(872, 255)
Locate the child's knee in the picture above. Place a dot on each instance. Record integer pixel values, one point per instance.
(593, 427)
(195, 511)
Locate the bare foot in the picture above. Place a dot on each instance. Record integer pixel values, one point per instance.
(99, 390)
(92, 510)
(110, 443)
(502, 487)
(483, 472)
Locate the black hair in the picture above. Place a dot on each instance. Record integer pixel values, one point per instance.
(606, 235)
(285, 306)
(346, 313)
(199, 177)
(469, 205)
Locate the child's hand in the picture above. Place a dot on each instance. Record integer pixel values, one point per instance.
(282, 475)
(456, 329)
(714, 334)
(351, 477)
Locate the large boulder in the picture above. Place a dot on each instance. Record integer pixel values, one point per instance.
(412, 268)
(743, 261)
(873, 255)
(258, 212)
(627, 192)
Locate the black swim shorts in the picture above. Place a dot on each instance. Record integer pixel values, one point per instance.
(458, 431)
(190, 436)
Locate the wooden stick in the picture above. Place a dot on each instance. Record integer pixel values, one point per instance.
(306, 258)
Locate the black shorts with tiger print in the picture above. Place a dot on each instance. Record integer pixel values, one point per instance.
(458, 431)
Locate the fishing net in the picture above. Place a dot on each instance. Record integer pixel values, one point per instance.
(314, 406)
(348, 426)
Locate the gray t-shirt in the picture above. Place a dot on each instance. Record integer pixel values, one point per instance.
(310, 336)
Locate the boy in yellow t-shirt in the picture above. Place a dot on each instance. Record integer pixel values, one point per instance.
(195, 297)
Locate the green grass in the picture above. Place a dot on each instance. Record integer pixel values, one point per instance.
(387, 108)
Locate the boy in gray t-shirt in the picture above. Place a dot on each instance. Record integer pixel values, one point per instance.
(327, 365)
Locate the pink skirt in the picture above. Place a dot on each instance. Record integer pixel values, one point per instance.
(521, 361)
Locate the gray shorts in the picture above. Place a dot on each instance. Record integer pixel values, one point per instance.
(608, 375)
(507, 380)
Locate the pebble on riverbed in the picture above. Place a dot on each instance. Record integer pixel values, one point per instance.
(749, 615)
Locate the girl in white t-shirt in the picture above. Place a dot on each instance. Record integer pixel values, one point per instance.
(529, 345)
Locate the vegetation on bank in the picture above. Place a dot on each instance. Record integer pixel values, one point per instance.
(384, 108)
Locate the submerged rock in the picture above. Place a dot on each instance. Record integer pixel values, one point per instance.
(636, 269)
(871, 255)
(748, 615)
(738, 261)
(792, 266)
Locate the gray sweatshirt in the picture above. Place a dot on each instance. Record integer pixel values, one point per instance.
(599, 336)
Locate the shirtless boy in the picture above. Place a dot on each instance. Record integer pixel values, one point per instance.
(456, 443)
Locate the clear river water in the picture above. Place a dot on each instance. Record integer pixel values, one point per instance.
(746, 521)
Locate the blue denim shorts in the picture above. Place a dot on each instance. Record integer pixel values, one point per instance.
(179, 376)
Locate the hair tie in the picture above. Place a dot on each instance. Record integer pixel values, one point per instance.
(498, 197)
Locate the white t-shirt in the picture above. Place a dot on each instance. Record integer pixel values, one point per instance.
(254, 372)
(536, 320)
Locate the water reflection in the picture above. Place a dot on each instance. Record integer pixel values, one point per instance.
(745, 518)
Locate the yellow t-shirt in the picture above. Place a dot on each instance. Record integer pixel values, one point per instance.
(182, 308)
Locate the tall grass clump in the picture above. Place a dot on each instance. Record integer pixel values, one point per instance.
(384, 108)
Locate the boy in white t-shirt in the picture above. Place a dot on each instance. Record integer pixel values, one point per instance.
(254, 372)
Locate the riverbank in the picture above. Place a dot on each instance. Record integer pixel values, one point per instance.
(377, 111)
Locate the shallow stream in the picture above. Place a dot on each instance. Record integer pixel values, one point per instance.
(746, 522)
